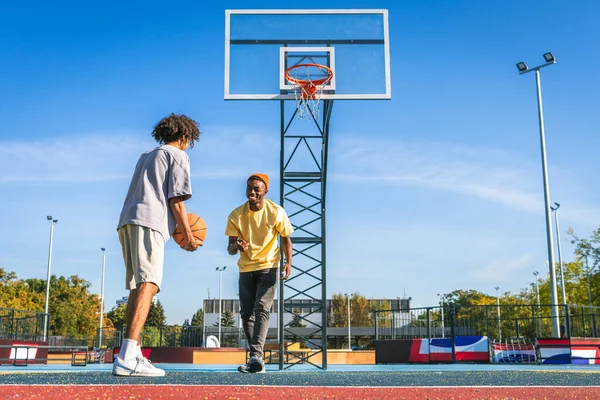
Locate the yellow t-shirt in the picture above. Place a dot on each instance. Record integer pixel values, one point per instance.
(260, 229)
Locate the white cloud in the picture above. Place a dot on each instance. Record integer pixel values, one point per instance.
(84, 158)
(224, 152)
(228, 152)
(503, 270)
(487, 173)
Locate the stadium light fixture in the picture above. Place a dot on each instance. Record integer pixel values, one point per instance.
(549, 57)
(522, 66)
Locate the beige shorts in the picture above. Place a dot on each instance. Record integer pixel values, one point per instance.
(144, 255)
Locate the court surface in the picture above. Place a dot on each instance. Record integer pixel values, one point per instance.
(441, 381)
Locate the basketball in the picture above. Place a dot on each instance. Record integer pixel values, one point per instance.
(197, 225)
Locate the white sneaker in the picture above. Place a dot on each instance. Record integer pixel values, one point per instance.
(138, 366)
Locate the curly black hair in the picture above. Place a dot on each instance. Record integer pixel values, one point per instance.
(175, 127)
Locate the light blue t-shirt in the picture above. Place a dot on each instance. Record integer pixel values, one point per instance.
(160, 174)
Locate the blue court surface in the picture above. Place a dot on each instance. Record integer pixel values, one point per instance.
(301, 375)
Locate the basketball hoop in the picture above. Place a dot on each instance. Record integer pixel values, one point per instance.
(308, 89)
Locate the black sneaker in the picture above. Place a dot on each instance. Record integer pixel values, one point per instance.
(256, 365)
(244, 369)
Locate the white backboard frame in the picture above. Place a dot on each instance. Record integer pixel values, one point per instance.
(387, 95)
(286, 50)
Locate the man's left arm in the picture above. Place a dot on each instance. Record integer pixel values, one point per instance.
(286, 244)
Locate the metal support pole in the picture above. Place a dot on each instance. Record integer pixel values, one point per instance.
(220, 269)
(550, 59)
(46, 320)
(442, 301)
(560, 263)
(498, 308)
(553, 294)
(537, 290)
(349, 335)
(102, 298)
(592, 313)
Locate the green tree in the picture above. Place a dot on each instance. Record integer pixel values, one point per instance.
(18, 293)
(117, 315)
(198, 318)
(73, 309)
(227, 319)
(587, 248)
(156, 315)
(381, 311)
(339, 311)
(360, 314)
(297, 322)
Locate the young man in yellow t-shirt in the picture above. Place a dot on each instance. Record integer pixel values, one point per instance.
(254, 229)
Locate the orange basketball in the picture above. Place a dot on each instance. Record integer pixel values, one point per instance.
(197, 225)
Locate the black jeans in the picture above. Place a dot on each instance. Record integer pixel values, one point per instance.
(257, 290)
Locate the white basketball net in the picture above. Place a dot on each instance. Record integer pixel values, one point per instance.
(308, 90)
(308, 105)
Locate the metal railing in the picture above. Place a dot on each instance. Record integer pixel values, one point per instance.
(21, 324)
(494, 321)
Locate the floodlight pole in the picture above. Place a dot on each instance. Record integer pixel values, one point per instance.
(589, 273)
(102, 298)
(587, 268)
(560, 263)
(46, 320)
(498, 307)
(349, 336)
(553, 293)
(537, 289)
(220, 269)
(442, 301)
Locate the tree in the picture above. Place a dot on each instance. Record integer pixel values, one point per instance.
(198, 318)
(297, 322)
(18, 293)
(117, 316)
(73, 309)
(360, 314)
(587, 248)
(381, 311)
(227, 319)
(156, 315)
(339, 311)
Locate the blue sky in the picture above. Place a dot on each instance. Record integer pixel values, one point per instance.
(438, 189)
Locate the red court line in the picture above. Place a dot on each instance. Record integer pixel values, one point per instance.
(84, 392)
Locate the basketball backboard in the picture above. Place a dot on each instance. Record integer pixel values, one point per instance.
(261, 44)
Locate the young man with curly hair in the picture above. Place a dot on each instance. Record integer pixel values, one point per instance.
(154, 205)
(254, 229)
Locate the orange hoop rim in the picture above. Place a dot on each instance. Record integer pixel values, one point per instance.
(306, 82)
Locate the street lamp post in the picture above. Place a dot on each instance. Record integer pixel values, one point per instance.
(442, 301)
(589, 273)
(102, 298)
(46, 321)
(349, 337)
(587, 268)
(220, 269)
(498, 307)
(523, 69)
(537, 289)
(560, 263)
